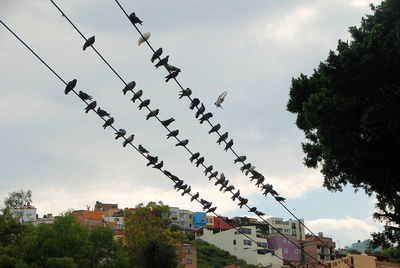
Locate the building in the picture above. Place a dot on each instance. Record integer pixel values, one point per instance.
(189, 259)
(105, 209)
(179, 217)
(223, 223)
(25, 214)
(360, 246)
(199, 220)
(90, 218)
(289, 245)
(191, 223)
(237, 244)
(322, 251)
(210, 222)
(355, 261)
(287, 227)
(47, 219)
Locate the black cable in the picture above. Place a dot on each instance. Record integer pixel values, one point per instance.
(231, 149)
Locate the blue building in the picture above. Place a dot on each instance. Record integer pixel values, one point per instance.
(199, 220)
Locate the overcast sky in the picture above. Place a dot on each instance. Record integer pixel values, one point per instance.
(252, 49)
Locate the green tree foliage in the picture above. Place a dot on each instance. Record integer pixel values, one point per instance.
(349, 110)
(209, 256)
(148, 238)
(16, 201)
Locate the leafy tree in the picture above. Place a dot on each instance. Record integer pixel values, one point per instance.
(349, 110)
(16, 201)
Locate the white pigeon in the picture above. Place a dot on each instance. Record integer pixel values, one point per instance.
(221, 99)
(143, 38)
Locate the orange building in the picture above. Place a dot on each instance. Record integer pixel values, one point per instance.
(88, 217)
(322, 251)
(189, 259)
(107, 210)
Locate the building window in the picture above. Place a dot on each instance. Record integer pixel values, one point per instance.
(294, 225)
(243, 231)
(234, 241)
(247, 242)
(189, 261)
(321, 257)
(174, 216)
(262, 244)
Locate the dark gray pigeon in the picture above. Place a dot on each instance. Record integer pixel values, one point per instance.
(84, 96)
(156, 54)
(186, 191)
(211, 210)
(199, 161)
(162, 62)
(208, 170)
(142, 149)
(195, 196)
(222, 138)
(171, 75)
(90, 106)
(102, 113)
(246, 166)
(144, 103)
(120, 133)
(137, 95)
(228, 145)
(280, 198)
(108, 122)
(88, 42)
(253, 209)
(259, 213)
(194, 156)
(173, 133)
(194, 103)
(219, 181)
(243, 201)
(224, 185)
(129, 87)
(182, 143)
(167, 173)
(229, 188)
(70, 86)
(200, 111)
(214, 175)
(134, 19)
(205, 117)
(152, 114)
(241, 158)
(159, 165)
(172, 68)
(236, 195)
(128, 140)
(185, 93)
(214, 128)
(152, 160)
(166, 122)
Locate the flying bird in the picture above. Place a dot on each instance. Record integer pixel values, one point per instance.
(162, 62)
(214, 175)
(173, 133)
(102, 113)
(222, 138)
(229, 188)
(134, 19)
(128, 140)
(137, 95)
(152, 114)
(229, 145)
(129, 87)
(156, 54)
(220, 99)
(195, 196)
(88, 42)
(214, 128)
(185, 93)
(143, 38)
(194, 103)
(166, 123)
(186, 191)
(182, 143)
(199, 161)
(144, 103)
(236, 195)
(208, 170)
(171, 75)
(70, 86)
(205, 117)
(108, 122)
(152, 160)
(120, 133)
(142, 149)
(84, 96)
(90, 106)
(159, 165)
(241, 158)
(172, 68)
(200, 110)
(211, 210)
(194, 156)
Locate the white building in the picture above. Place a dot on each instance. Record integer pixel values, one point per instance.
(287, 227)
(119, 221)
(25, 214)
(237, 244)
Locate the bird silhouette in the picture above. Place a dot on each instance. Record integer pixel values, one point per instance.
(211, 210)
(203, 201)
(243, 201)
(259, 213)
(260, 180)
(137, 95)
(159, 165)
(102, 113)
(152, 114)
(70, 86)
(208, 170)
(171, 75)
(108, 122)
(171, 68)
(241, 158)
(166, 172)
(142, 149)
(245, 166)
(120, 133)
(182, 143)
(214, 175)
(166, 123)
(173, 133)
(186, 191)
(222, 138)
(195, 196)
(236, 195)
(129, 87)
(251, 169)
(229, 188)
(205, 117)
(228, 145)
(84, 96)
(144, 103)
(178, 184)
(194, 156)
(128, 140)
(89, 42)
(199, 161)
(200, 111)
(134, 19)
(174, 178)
(194, 103)
(185, 93)
(224, 185)
(162, 62)
(219, 181)
(255, 175)
(143, 38)
(152, 160)
(156, 54)
(90, 106)
(280, 198)
(183, 187)
(253, 209)
(207, 206)
(214, 128)
(221, 99)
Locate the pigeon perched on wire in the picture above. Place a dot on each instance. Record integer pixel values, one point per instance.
(120, 133)
(84, 96)
(253, 209)
(129, 87)
(172, 68)
(89, 42)
(221, 99)
(137, 95)
(144, 38)
(183, 187)
(174, 178)
(214, 128)
(128, 140)
(102, 113)
(224, 185)
(108, 122)
(243, 201)
(229, 188)
(159, 165)
(221, 180)
(70, 86)
(229, 145)
(152, 160)
(245, 166)
(194, 156)
(205, 117)
(144, 103)
(236, 195)
(208, 169)
(152, 114)
(134, 19)
(204, 202)
(173, 133)
(195, 196)
(142, 149)
(186, 191)
(201, 110)
(211, 210)
(259, 213)
(162, 62)
(194, 103)
(182, 143)
(199, 161)
(207, 206)
(215, 174)
(156, 54)
(90, 106)
(178, 184)
(255, 175)
(185, 93)
(222, 138)
(247, 171)
(241, 158)
(171, 75)
(167, 173)
(280, 198)
(166, 122)
(260, 180)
